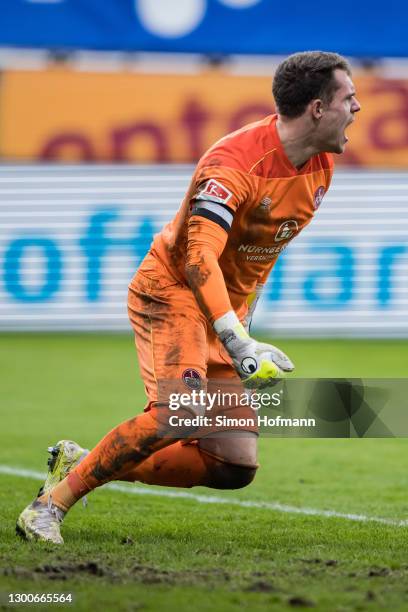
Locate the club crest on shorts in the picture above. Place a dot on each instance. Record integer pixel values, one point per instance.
(191, 378)
(318, 197)
(286, 230)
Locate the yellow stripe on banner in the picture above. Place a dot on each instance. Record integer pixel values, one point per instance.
(61, 114)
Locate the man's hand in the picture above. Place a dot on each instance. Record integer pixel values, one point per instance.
(257, 363)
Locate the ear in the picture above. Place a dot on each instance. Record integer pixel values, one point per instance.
(317, 108)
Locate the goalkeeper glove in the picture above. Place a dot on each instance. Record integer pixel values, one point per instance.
(257, 363)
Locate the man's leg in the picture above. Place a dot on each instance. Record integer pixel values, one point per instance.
(195, 463)
(112, 458)
(170, 336)
(118, 451)
(136, 449)
(224, 459)
(171, 340)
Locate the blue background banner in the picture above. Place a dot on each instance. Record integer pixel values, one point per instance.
(207, 26)
(71, 239)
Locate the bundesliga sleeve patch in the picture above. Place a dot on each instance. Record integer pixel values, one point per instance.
(214, 191)
(210, 202)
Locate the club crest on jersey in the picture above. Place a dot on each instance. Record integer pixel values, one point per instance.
(191, 378)
(215, 191)
(286, 230)
(318, 197)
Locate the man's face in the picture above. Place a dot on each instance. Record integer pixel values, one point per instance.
(338, 115)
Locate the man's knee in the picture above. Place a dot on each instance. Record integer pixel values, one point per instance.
(233, 447)
(222, 475)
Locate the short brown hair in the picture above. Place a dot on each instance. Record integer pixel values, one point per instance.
(304, 77)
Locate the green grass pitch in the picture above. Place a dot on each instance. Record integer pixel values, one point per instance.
(148, 552)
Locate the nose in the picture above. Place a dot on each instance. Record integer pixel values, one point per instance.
(355, 107)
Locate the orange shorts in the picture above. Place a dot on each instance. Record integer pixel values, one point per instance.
(175, 342)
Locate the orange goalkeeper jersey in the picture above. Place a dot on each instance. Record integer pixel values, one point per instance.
(245, 203)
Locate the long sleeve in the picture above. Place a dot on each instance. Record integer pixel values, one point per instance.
(206, 242)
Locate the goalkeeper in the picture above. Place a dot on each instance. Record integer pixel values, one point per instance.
(251, 194)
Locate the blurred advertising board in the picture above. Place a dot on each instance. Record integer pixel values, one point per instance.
(207, 26)
(71, 238)
(72, 116)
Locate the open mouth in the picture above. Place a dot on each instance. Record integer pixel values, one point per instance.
(347, 126)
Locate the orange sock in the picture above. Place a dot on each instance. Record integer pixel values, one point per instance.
(116, 454)
(177, 465)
